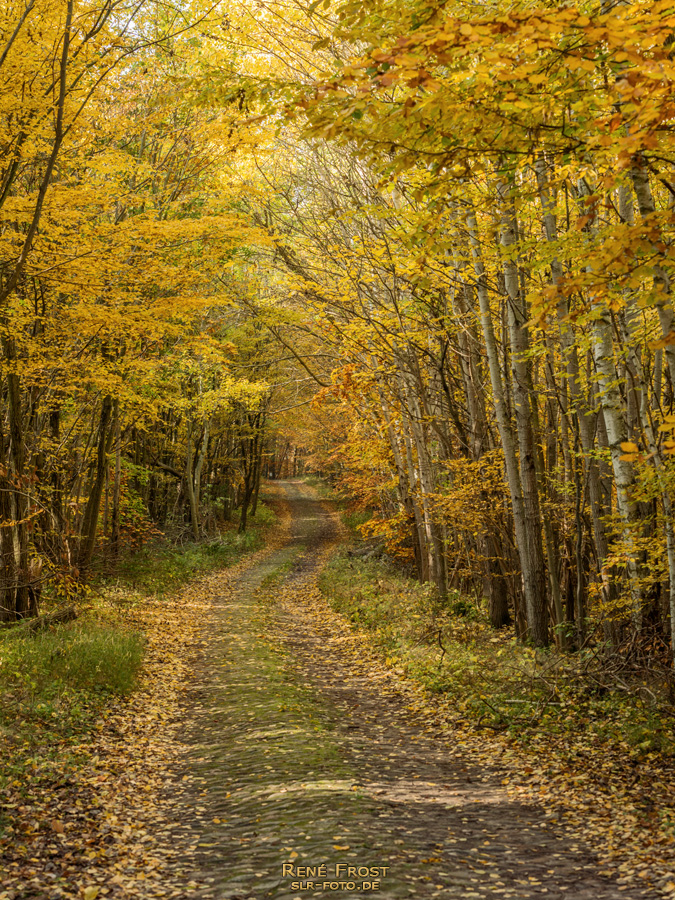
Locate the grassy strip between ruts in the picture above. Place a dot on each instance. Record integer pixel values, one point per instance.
(604, 760)
(65, 691)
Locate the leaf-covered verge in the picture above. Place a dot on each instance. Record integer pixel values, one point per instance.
(589, 742)
(89, 713)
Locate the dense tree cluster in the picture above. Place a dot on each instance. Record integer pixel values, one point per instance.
(430, 241)
(481, 215)
(123, 395)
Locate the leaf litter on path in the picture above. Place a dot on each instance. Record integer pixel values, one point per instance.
(108, 818)
(105, 817)
(623, 810)
(387, 777)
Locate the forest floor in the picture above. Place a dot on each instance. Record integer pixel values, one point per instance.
(267, 735)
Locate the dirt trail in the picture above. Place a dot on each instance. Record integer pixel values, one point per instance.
(305, 759)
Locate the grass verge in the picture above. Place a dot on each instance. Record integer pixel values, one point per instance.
(53, 686)
(161, 569)
(56, 683)
(490, 679)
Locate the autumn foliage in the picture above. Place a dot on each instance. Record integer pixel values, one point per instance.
(425, 246)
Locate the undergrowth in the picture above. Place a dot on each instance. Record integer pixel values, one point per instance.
(163, 568)
(87, 655)
(53, 685)
(488, 677)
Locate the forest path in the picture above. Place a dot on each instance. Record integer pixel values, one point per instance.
(304, 755)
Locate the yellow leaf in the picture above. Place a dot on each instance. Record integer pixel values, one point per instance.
(629, 447)
(90, 893)
(339, 847)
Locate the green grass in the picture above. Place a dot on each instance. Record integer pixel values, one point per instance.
(488, 677)
(55, 683)
(162, 569)
(87, 656)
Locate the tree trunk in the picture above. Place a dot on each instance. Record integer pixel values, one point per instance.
(189, 483)
(523, 394)
(90, 519)
(117, 486)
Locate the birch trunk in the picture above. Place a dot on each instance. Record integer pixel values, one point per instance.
(530, 579)
(614, 419)
(522, 397)
(579, 407)
(494, 586)
(664, 307)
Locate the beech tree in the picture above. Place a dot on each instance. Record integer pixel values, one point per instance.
(426, 249)
(475, 207)
(119, 249)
